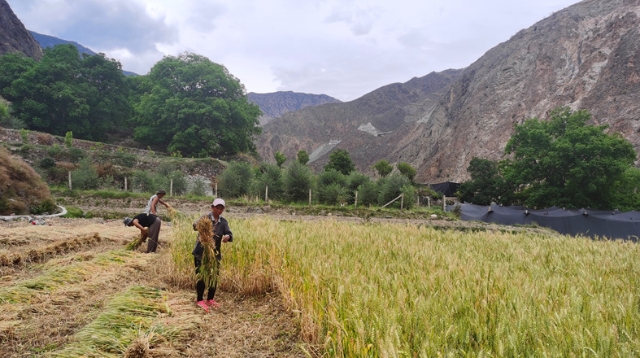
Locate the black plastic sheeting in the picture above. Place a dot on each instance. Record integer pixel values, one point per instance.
(447, 188)
(585, 222)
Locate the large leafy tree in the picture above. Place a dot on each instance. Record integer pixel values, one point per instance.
(566, 162)
(66, 92)
(486, 185)
(196, 107)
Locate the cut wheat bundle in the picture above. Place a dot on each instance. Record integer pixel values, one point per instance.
(208, 271)
(137, 241)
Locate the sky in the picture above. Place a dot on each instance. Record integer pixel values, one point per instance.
(341, 48)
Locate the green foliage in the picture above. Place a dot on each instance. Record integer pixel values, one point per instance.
(298, 180)
(270, 176)
(340, 160)
(68, 92)
(85, 177)
(407, 170)
(24, 135)
(410, 196)
(54, 151)
(199, 187)
(73, 212)
(566, 162)
(46, 163)
(486, 185)
(44, 207)
(68, 139)
(76, 154)
(332, 187)
(303, 157)
(280, 158)
(368, 193)
(626, 194)
(143, 181)
(383, 168)
(391, 187)
(196, 107)
(235, 181)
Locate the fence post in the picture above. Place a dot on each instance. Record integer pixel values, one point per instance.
(444, 203)
(309, 197)
(125, 183)
(216, 190)
(355, 204)
(266, 194)
(171, 188)
(70, 187)
(401, 201)
(429, 202)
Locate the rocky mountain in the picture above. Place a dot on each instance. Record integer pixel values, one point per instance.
(13, 35)
(46, 41)
(586, 56)
(276, 104)
(362, 126)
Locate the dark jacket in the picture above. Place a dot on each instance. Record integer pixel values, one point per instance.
(220, 228)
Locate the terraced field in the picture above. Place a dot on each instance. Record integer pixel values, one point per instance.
(69, 289)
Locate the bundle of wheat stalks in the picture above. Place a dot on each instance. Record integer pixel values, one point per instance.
(208, 271)
(135, 243)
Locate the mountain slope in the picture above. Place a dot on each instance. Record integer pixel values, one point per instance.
(46, 41)
(586, 56)
(360, 126)
(276, 104)
(13, 35)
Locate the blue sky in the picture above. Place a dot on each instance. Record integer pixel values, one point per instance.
(342, 48)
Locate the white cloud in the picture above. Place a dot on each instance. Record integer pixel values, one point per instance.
(343, 48)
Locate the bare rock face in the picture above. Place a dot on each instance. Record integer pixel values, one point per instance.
(586, 56)
(276, 104)
(13, 35)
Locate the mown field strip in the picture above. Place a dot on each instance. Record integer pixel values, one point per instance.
(129, 323)
(44, 310)
(406, 290)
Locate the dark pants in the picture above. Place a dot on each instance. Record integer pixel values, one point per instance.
(200, 286)
(154, 233)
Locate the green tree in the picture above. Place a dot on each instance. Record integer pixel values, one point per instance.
(340, 160)
(269, 176)
(407, 170)
(303, 157)
(626, 195)
(235, 180)
(566, 162)
(280, 158)
(332, 187)
(486, 185)
(12, 66)
(383, 168)
(391, 187)
(298, 180)
(66, 92)
(196, 107)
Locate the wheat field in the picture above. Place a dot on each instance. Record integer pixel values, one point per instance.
(406, 290)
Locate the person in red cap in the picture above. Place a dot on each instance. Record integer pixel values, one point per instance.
(221, 233)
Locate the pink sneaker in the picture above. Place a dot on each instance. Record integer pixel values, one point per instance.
(212, 303)
(203, 305)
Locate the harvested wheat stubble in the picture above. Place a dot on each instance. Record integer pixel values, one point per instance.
(43, 253)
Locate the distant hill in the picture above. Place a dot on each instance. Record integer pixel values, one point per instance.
(274, 105)
(46, 41)
(13, 35)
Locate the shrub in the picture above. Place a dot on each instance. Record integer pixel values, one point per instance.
(199, 187)
(270, 176)
(73, 212)
(235, 181)
(368, 193)
(143, 181)
(46, 163)
(85, 177)
(391, 187)
(55, 151)
(298, 180)
(44, 207)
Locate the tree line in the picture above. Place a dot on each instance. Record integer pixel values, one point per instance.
(187, 105)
